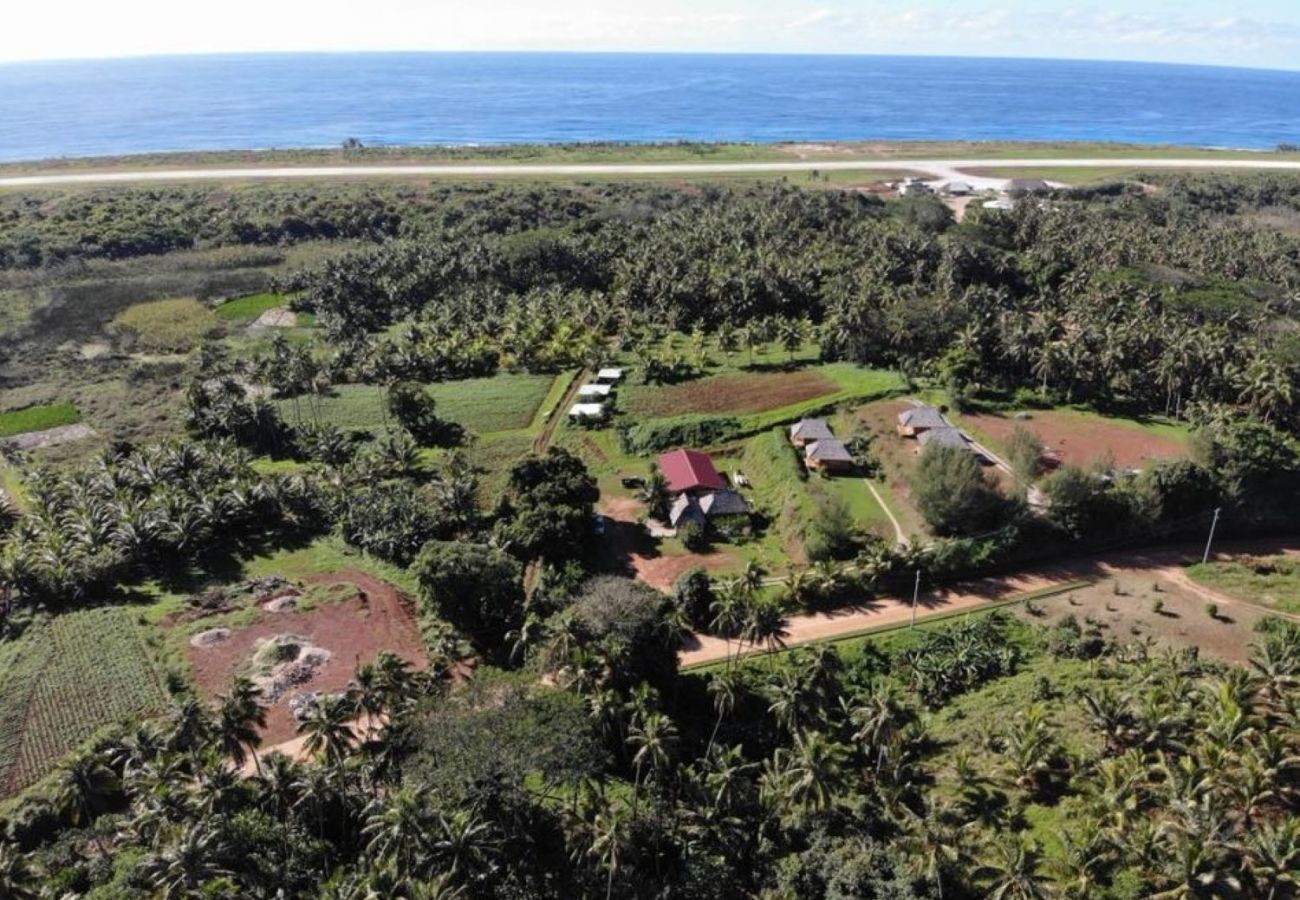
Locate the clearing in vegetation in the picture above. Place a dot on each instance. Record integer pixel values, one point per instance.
(165, 326)
(1272, 581)
(37, 418)
(65, 678)
(345, 633)
(1082, 438)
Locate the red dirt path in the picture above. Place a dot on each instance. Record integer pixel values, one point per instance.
(1080, 440)
(354, 631)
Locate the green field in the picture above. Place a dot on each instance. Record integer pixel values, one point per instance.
(483, 405)
(165, 326)
(248, 308)
(871, 155)
(37, 418)
(64, 679)
(1272, 581)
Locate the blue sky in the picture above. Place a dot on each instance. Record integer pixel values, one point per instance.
(1264, 33)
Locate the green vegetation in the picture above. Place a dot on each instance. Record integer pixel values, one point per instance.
(165, 325)
(984, 756)
(65, 679)
(247, 309)
(37, 418)
(1272, 581)
(506, 402)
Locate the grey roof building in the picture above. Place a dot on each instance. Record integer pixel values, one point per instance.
(807, 430)
(920, 418)
(830, 451)
(944, 437)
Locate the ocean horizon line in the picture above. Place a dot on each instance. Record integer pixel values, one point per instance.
(781, 54)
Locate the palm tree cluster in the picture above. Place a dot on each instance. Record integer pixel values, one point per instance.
(1129, 299)
(815, 774)
(144, 509)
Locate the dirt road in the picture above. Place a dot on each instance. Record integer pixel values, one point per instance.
(941, 169)
(1163, 562)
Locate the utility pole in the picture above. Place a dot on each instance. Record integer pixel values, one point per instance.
(1210, 540)
(916, 594)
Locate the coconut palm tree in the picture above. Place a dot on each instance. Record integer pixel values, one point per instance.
(1011, 871)
(655, 738)
(397, 828)
(327, 729)
(240, 716)
(18, 878)
(185, 863)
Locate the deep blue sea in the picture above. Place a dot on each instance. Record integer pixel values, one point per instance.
(242, 102)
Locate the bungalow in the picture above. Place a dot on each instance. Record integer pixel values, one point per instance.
(829, 455)
(944, 437)
(690, 472)
(918, 419)
(956, 189)
(806, 431)
(707, 507)
(609, 376)
(594, 390)
(580, 412)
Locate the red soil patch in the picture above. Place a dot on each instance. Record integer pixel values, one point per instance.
(628, 543)
(1082, 440)
(354, 631)
(743, 393)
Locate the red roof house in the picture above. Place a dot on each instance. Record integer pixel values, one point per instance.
(690, 470)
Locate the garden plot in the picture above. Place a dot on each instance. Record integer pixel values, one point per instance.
(506, 402)
(740, 392)
(64, 679)
(291, 651)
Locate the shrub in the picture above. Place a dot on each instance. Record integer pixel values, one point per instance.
(477, 588)
(686, 431)
(1212, 610)
(694, 536)
(953, 494)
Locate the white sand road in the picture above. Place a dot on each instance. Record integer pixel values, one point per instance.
(941, 169)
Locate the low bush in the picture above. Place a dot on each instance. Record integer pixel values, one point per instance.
(686, 431)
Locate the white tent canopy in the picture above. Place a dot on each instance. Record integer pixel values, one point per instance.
(587, 411)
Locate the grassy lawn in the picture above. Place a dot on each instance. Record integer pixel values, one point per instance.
(67, 677)
(1074, 175)
(247, 309)
(1272, 581)
(165, 326)
(37, 418)
(505, 402)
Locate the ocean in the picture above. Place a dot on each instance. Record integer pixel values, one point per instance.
(54, 109)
